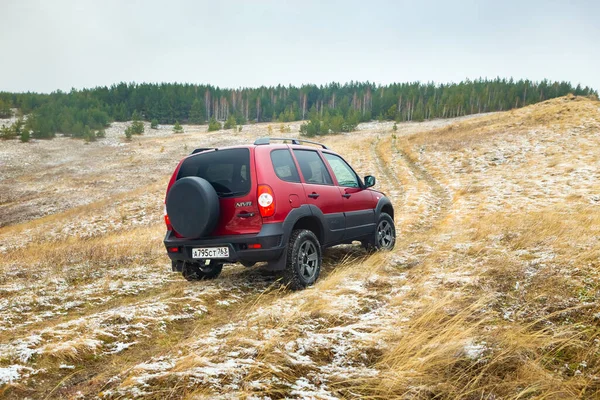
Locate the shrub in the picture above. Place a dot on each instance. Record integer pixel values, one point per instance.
(154, 124)
(240, 119)
(25, 136)
(230, 123)
(177, 128)
(101, 134)
(348, 126)
(12, 131)
(6, 132)
(214, 125)
(310, 128)
(128, 133)
(88, 135)
(285, 128)
(137, 127)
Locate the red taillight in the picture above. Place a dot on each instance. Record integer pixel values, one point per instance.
(266, 200)
(173, 249)
(167, 220)
(255, 246)
(169, 226)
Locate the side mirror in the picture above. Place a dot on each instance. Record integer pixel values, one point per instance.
(369, 181)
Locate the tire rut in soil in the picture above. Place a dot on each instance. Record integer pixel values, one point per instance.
(439, 192)
(389, 175)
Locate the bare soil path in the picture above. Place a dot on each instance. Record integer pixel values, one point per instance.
(89, 307)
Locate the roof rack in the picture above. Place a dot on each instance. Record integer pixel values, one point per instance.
(201, 149)
(266, 140)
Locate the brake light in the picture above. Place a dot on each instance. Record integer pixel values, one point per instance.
(167, 220)
(266, 201)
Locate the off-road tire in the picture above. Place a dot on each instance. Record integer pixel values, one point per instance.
(197, 272)
(303, 263)
(384, 237)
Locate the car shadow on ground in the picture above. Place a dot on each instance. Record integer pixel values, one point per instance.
(258, 276)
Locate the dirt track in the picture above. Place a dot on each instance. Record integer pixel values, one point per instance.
(88, 305)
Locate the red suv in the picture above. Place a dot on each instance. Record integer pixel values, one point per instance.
(275, 203)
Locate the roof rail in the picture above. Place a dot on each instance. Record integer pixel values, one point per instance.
(201, 149)
(266, 140)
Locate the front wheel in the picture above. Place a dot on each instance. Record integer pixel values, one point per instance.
(385, 234)
(201, 271)
(303, 259)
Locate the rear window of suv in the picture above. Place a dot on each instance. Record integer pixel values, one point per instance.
(228, 171)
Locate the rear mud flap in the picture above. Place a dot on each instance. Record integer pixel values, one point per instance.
(277, 265)
(177, 266)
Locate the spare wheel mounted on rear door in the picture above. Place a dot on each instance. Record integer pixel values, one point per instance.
(193, 207)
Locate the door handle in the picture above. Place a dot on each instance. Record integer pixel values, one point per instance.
(313, 195)
(346, 195)
(246, 214)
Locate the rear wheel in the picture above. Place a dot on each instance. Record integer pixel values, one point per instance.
(248, 264)
(303, 259)
(200, 271)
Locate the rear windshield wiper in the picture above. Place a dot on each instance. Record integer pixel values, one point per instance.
(230, 194)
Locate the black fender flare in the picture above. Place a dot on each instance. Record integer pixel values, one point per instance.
(305, 210)
(383, 201)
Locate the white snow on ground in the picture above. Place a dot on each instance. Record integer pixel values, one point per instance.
(347, 344)
(14, 373)
(362, 321)
(10, 374)
(474, 351)
(329, 333)
(89, 333)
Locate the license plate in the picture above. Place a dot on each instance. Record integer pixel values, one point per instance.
(211, 252)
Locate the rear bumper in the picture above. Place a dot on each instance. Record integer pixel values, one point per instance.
(270, 238)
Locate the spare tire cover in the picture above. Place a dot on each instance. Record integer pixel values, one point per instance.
(193, 207)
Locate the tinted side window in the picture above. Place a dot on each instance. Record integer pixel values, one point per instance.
(226, 170)
(342, 171)
(284, 166)
(312, 167)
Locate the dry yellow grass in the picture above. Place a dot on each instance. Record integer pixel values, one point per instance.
(492, 290)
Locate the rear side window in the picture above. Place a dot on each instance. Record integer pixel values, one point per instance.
(228, 171)
(312, 167)
(284, 166)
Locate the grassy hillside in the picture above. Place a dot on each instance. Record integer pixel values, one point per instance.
(492, 290)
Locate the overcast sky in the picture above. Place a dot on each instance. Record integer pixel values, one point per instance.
(49, 45)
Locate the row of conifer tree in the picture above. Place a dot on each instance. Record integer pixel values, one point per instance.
(329, 108)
